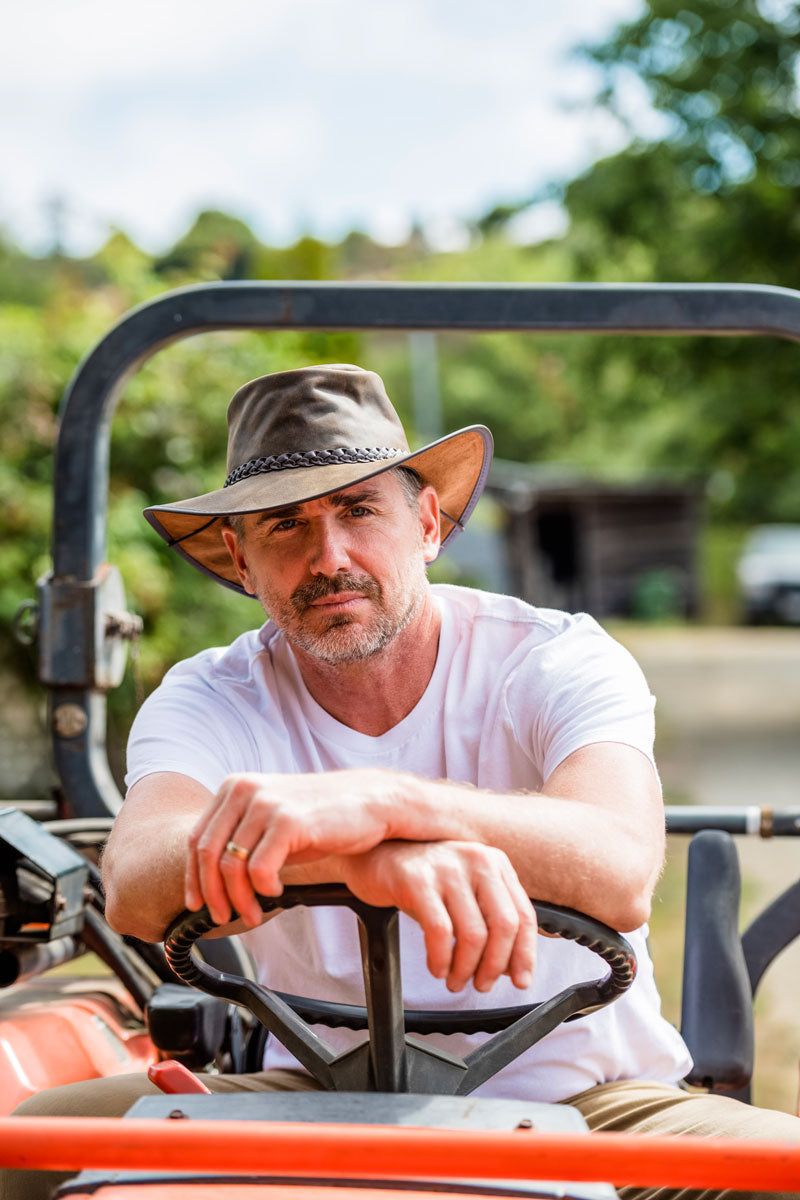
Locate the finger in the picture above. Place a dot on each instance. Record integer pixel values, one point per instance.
(522, 962)
(523, 957)
(209, 848)
(193, 890)
(470, 934)
(241, 895)
(431, 914)
(502, 923)
(192, 881)
(282, 839)
(236, 871)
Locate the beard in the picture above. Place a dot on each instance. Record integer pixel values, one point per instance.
(344, 639)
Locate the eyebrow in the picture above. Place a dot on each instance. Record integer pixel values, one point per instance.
(334, 500)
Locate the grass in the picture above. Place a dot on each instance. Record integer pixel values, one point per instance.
(720, 547)
(666, 929)
(86, 966)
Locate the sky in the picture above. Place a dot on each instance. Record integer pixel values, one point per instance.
(295, 115)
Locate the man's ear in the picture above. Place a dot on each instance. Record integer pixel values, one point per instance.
(236, 550)
(430, 523)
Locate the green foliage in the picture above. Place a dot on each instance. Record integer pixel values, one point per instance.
(217, 246)
(714, 198)
(717, 196)
(168, 436)
(722, 545)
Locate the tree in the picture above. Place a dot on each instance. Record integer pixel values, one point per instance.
(713, 197)
(716, 196)
(168, 440)
(218, 246)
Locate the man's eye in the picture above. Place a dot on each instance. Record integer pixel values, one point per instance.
(286, 523)
(359, 510)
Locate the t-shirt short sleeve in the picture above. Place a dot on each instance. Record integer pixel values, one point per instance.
(188, 727)
(577, 689)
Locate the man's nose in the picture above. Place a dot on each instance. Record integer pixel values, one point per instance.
(329, 553)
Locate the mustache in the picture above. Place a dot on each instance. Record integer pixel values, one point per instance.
(307, 593)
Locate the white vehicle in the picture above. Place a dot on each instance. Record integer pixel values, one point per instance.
(769, 574)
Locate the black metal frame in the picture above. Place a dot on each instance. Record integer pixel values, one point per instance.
(73, 597)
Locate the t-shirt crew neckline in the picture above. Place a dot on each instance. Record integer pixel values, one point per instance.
(364, 744)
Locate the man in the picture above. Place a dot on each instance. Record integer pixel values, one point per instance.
(437, 749)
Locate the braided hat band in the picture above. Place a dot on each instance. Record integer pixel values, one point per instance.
(345, 413)
(312, 458)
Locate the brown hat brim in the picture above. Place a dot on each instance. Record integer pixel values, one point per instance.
(456, 465)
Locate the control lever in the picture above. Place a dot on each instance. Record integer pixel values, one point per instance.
(175, 1079)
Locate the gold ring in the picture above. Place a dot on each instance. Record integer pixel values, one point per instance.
(237, 851)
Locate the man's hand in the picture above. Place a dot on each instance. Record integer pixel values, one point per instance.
(477, 920)
(280, 820)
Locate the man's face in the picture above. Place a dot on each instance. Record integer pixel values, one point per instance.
(343, 575)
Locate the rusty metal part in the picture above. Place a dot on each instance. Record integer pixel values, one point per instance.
(69, 720)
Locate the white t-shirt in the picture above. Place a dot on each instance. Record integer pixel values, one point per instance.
(515, 690)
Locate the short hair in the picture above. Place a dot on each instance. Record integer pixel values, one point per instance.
(410, 484)
(234, 521)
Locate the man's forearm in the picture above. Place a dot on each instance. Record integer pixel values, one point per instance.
(599, 858)
(144, 862)
(593, 842)
(144, 881)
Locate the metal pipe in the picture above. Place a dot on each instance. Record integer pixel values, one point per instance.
(747, 820)
(111, 949)
(21, 962)
(331, 1151)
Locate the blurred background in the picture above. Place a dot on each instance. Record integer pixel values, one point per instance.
(604, 140)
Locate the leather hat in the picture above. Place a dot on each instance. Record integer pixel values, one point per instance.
(298, 435)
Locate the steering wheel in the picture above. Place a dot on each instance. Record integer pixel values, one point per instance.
(392, 1059)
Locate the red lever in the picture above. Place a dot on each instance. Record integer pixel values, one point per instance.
(174, 1078)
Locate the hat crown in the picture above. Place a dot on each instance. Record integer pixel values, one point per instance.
(329, 407)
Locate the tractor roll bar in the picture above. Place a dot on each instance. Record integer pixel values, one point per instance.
(81, 626)
(746, 820)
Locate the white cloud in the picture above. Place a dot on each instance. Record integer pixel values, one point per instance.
(546, 220)
(290, 113)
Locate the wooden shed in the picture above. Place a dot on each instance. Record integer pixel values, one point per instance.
(608, 549)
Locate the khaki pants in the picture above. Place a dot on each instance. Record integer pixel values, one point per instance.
(636, 1107)
(628, 1107)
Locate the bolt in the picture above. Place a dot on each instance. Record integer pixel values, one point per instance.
(69, 720)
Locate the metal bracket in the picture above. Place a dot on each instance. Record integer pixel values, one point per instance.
(85, 630)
